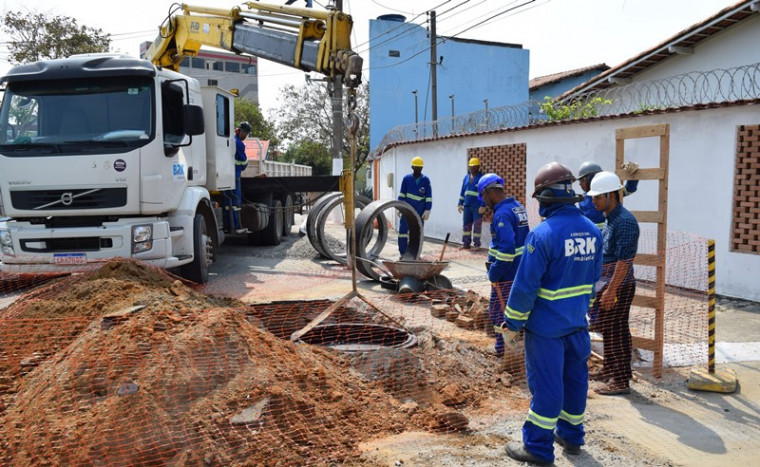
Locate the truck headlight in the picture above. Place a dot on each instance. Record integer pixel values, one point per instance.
(8, 251)
(5, 238)
(142, 238)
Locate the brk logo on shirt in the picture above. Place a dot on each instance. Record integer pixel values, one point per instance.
(583, 248)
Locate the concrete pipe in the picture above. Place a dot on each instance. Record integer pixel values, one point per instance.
(365, 224)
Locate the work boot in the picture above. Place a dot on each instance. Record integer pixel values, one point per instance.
(464, 247)
(614, 388)
(572, 449)
(517, 451)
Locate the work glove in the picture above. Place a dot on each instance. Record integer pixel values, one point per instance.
(630, 167)
(426, 215)
(509, 337)
(482, 209)
(460, 208)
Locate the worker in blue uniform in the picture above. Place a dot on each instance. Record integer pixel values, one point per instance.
(586, 174)
(235, 198)
(509, 227)
(468, 206)
(416, 191)
(549, 299)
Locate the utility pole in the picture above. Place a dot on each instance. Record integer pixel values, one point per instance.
(452, 112)
(416, 115)
(433, 71)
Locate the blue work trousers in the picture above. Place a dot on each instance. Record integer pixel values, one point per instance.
(403, 235)
(496, 307)
(473, 224)
(557, 372)
(233, 201)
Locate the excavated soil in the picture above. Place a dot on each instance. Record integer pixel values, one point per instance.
(127, 365)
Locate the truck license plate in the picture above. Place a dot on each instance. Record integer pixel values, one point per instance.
(70, 258)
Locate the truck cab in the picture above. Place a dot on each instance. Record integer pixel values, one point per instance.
(109, 156)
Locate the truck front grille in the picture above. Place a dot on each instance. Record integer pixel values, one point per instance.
(63, 245)
(64, 200)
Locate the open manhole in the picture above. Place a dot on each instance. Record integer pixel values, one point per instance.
(359, 337)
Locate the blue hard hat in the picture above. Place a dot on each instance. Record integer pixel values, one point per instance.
(489, 181)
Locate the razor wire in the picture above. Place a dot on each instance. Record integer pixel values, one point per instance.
(695, 88)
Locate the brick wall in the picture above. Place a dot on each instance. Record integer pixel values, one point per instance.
(508, 161)
(745, 228)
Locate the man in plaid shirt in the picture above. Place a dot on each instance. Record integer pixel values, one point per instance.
(618, 285)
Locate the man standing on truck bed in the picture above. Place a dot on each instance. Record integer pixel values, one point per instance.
(415, 190)
(241, 162)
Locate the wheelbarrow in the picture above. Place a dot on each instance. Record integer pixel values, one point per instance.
(412, 275)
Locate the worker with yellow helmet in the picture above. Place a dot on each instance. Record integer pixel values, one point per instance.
(469, 205)
(416, 191)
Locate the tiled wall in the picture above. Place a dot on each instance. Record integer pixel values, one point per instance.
(508, 161)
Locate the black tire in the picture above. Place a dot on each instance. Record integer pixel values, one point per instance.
(287, 215)
(272, 234)
(439, 282)
(203, 252)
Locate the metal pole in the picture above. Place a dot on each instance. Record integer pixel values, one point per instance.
(415, 112)
(452, 105)
(711, 306)
(434, 72)
(336, 93)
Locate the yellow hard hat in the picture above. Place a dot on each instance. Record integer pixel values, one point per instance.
(417, 162)
(473, 162)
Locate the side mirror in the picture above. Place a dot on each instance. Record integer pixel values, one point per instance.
(193, 119)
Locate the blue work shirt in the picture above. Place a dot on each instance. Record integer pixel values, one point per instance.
(509, 228)
(621, 240)
(241, 160)
(468, 195)
(417, 192)
(555, 282)
(597, 217)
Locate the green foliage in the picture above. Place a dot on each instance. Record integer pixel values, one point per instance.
(305, 115)
(36, 37)
(247, 110)
(646, 107)
(313, 153)
(574, 110)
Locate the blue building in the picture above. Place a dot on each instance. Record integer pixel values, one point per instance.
(471, 71)
(558, 83)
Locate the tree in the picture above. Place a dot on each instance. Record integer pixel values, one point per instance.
(247, 110)
(312, 153)
(35, 37)
(305, 114)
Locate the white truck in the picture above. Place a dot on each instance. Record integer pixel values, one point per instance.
(105, 156)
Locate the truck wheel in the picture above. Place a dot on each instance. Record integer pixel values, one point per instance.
(203, 252)
(287, 215)
(272, 234)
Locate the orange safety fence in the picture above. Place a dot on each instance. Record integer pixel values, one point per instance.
(126, 364)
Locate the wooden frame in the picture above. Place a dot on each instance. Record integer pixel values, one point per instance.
(659, 217)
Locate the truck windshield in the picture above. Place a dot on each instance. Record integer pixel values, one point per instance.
(104, 115)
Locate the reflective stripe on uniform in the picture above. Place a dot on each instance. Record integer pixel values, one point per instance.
(570, 418)
(414, 197)
(600, 225)
(493, 251)
(471, 193)
(566, 292)
(403, 235)
(476, 234)
(516, 315)
(509, 256)
(429, 199)
(237, 162)
(465, 234)
(542, 422)
(402, 195)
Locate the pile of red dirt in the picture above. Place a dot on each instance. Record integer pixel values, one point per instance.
(127, 365)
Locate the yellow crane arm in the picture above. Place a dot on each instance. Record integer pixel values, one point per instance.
(311, 40)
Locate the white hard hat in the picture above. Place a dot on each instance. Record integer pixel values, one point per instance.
(604, 182)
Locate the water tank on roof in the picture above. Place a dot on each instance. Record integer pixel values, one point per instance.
(392, 17)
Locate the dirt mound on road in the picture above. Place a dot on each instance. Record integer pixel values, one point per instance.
(153, 373)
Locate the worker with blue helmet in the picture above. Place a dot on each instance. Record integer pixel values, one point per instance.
(509, 227)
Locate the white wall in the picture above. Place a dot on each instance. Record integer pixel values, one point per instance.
(702, 153)
(734, 47)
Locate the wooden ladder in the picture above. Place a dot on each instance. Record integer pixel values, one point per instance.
(659, 217)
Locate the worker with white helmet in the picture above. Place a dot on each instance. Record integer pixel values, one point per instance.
(586, 174)
(416, 191)
(550, 295)
(621, 239)
(468, 206)
(509, 227)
